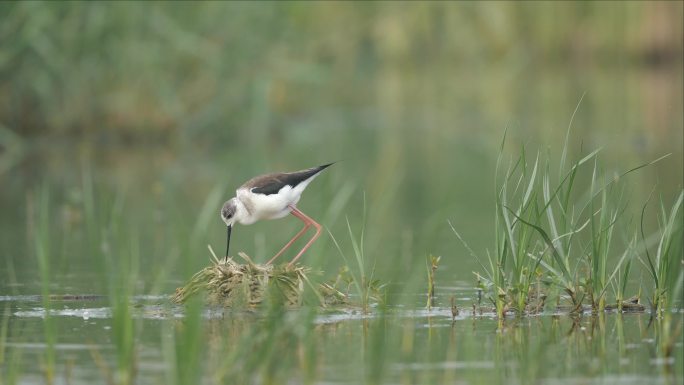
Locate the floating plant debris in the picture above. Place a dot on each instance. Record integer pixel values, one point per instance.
(231, 284)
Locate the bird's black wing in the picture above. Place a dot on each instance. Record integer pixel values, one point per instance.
(272, 183)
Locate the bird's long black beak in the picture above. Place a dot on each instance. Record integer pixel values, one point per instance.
(230, 228)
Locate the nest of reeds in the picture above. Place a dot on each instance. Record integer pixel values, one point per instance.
(228, 283)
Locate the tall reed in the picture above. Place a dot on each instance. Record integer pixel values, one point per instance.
(549, 237)
(664, 265)
(366, 286)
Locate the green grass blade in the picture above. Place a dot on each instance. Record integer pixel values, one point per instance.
(549, 243)
(567, 135)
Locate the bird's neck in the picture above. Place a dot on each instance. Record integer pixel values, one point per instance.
(242, 212)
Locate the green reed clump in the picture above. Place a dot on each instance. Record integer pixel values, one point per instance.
(524, 250)
(367, 288)
(606, 203)
(619, 283)
(553, 240)
(665, 264)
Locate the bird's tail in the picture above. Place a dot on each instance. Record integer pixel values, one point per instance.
(323, 167)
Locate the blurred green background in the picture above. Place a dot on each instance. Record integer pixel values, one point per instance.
(168, 107)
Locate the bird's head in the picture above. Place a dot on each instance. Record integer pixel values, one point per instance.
(228, 212)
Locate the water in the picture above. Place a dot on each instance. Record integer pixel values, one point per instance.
(419, 345)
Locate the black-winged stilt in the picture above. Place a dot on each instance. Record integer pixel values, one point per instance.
(272, 196)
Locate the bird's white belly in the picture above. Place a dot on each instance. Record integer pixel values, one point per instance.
(261, 207)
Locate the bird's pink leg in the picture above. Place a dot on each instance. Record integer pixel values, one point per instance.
(304, 218)
(288, 244)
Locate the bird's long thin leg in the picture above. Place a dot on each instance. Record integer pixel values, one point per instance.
(288, 244)
(305, 219)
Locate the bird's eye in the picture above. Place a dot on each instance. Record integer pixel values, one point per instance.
(228, 211)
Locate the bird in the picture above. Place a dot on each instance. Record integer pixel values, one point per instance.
(272, 196)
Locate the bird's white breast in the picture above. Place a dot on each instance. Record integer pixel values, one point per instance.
(260, 206)
(273, 206)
